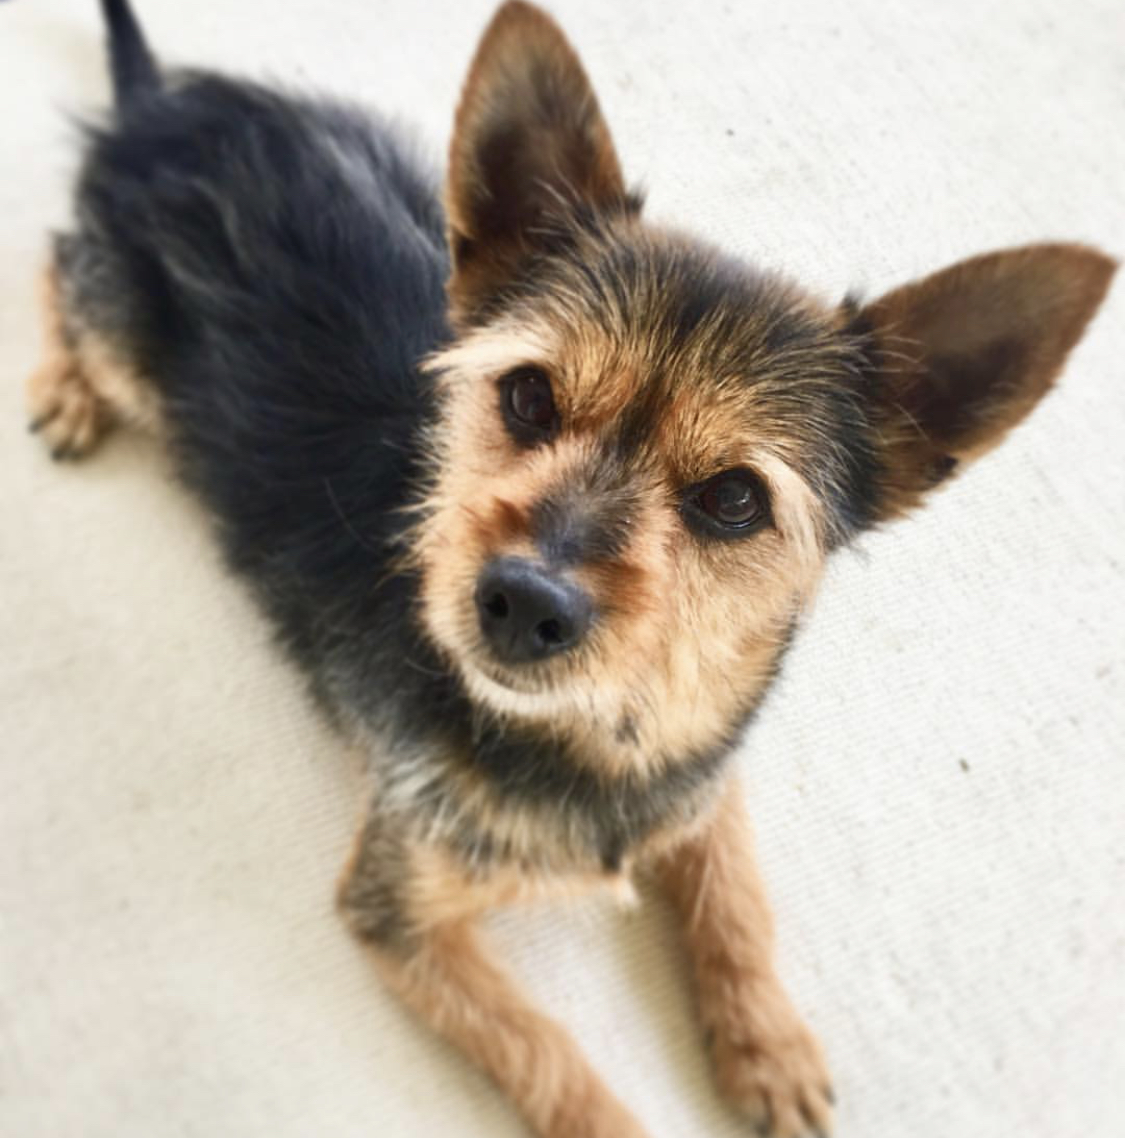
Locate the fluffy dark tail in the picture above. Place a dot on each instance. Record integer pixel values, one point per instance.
(131, 63)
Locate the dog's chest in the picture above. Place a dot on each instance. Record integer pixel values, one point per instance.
(500, 802)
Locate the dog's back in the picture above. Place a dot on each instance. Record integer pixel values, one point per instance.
(272, 267)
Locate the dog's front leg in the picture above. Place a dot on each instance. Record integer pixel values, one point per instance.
(766, 1060)
(415, 909)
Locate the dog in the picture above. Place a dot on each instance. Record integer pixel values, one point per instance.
(534, 493)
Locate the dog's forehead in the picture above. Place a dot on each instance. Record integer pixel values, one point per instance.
(674, 347)
(662, 342)
(662, 349)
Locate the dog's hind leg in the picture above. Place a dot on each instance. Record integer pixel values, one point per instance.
(65, 409)
(83, 383)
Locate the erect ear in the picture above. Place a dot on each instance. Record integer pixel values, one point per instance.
(529, 147)
(962, 356)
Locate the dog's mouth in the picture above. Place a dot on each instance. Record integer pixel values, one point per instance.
(530, 683)
(517, 695)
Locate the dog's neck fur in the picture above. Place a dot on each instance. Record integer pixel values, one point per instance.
(538, 793)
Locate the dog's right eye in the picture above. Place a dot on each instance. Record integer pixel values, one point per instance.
(732, 504)
(529, 405)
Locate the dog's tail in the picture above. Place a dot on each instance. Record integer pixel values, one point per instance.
(131, 63)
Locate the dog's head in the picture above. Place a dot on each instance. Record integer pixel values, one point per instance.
(647, 448)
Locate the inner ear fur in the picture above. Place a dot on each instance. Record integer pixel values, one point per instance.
(529, 147)
(960, 357)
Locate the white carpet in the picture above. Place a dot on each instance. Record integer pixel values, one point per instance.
(939, 780)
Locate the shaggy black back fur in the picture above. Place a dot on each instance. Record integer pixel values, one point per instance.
(275, 265)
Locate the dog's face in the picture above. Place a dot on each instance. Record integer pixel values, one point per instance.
(644, 459)
(648, 449)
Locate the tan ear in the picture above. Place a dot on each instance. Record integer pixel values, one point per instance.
(529, 147)
(962, 356)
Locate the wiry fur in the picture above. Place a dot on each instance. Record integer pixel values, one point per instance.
(264, 279)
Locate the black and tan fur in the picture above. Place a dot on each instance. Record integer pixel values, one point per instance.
(270, 283)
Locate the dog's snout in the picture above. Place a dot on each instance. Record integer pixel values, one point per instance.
(527, 613)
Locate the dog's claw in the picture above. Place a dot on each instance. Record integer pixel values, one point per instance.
(36, 424)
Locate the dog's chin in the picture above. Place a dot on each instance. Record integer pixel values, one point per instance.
(512, 695)
(539, 693)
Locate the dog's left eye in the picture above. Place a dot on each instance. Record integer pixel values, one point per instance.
(529, 405)
(732, 504)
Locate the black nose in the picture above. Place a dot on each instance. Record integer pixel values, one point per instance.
(527, 613)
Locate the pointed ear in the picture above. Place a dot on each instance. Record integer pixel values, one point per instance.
(961, 357)
(529, 144)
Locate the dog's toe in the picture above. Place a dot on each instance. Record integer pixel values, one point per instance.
(780, 1084)
(65, 411)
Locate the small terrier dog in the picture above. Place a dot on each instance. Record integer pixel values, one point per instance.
(533, 491)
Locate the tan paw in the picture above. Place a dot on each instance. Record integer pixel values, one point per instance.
(593, 1114)
(65, 410)
(776, 1076)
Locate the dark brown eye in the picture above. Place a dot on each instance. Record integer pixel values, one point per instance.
(731, 499)
(731, 504)
(529, 406)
